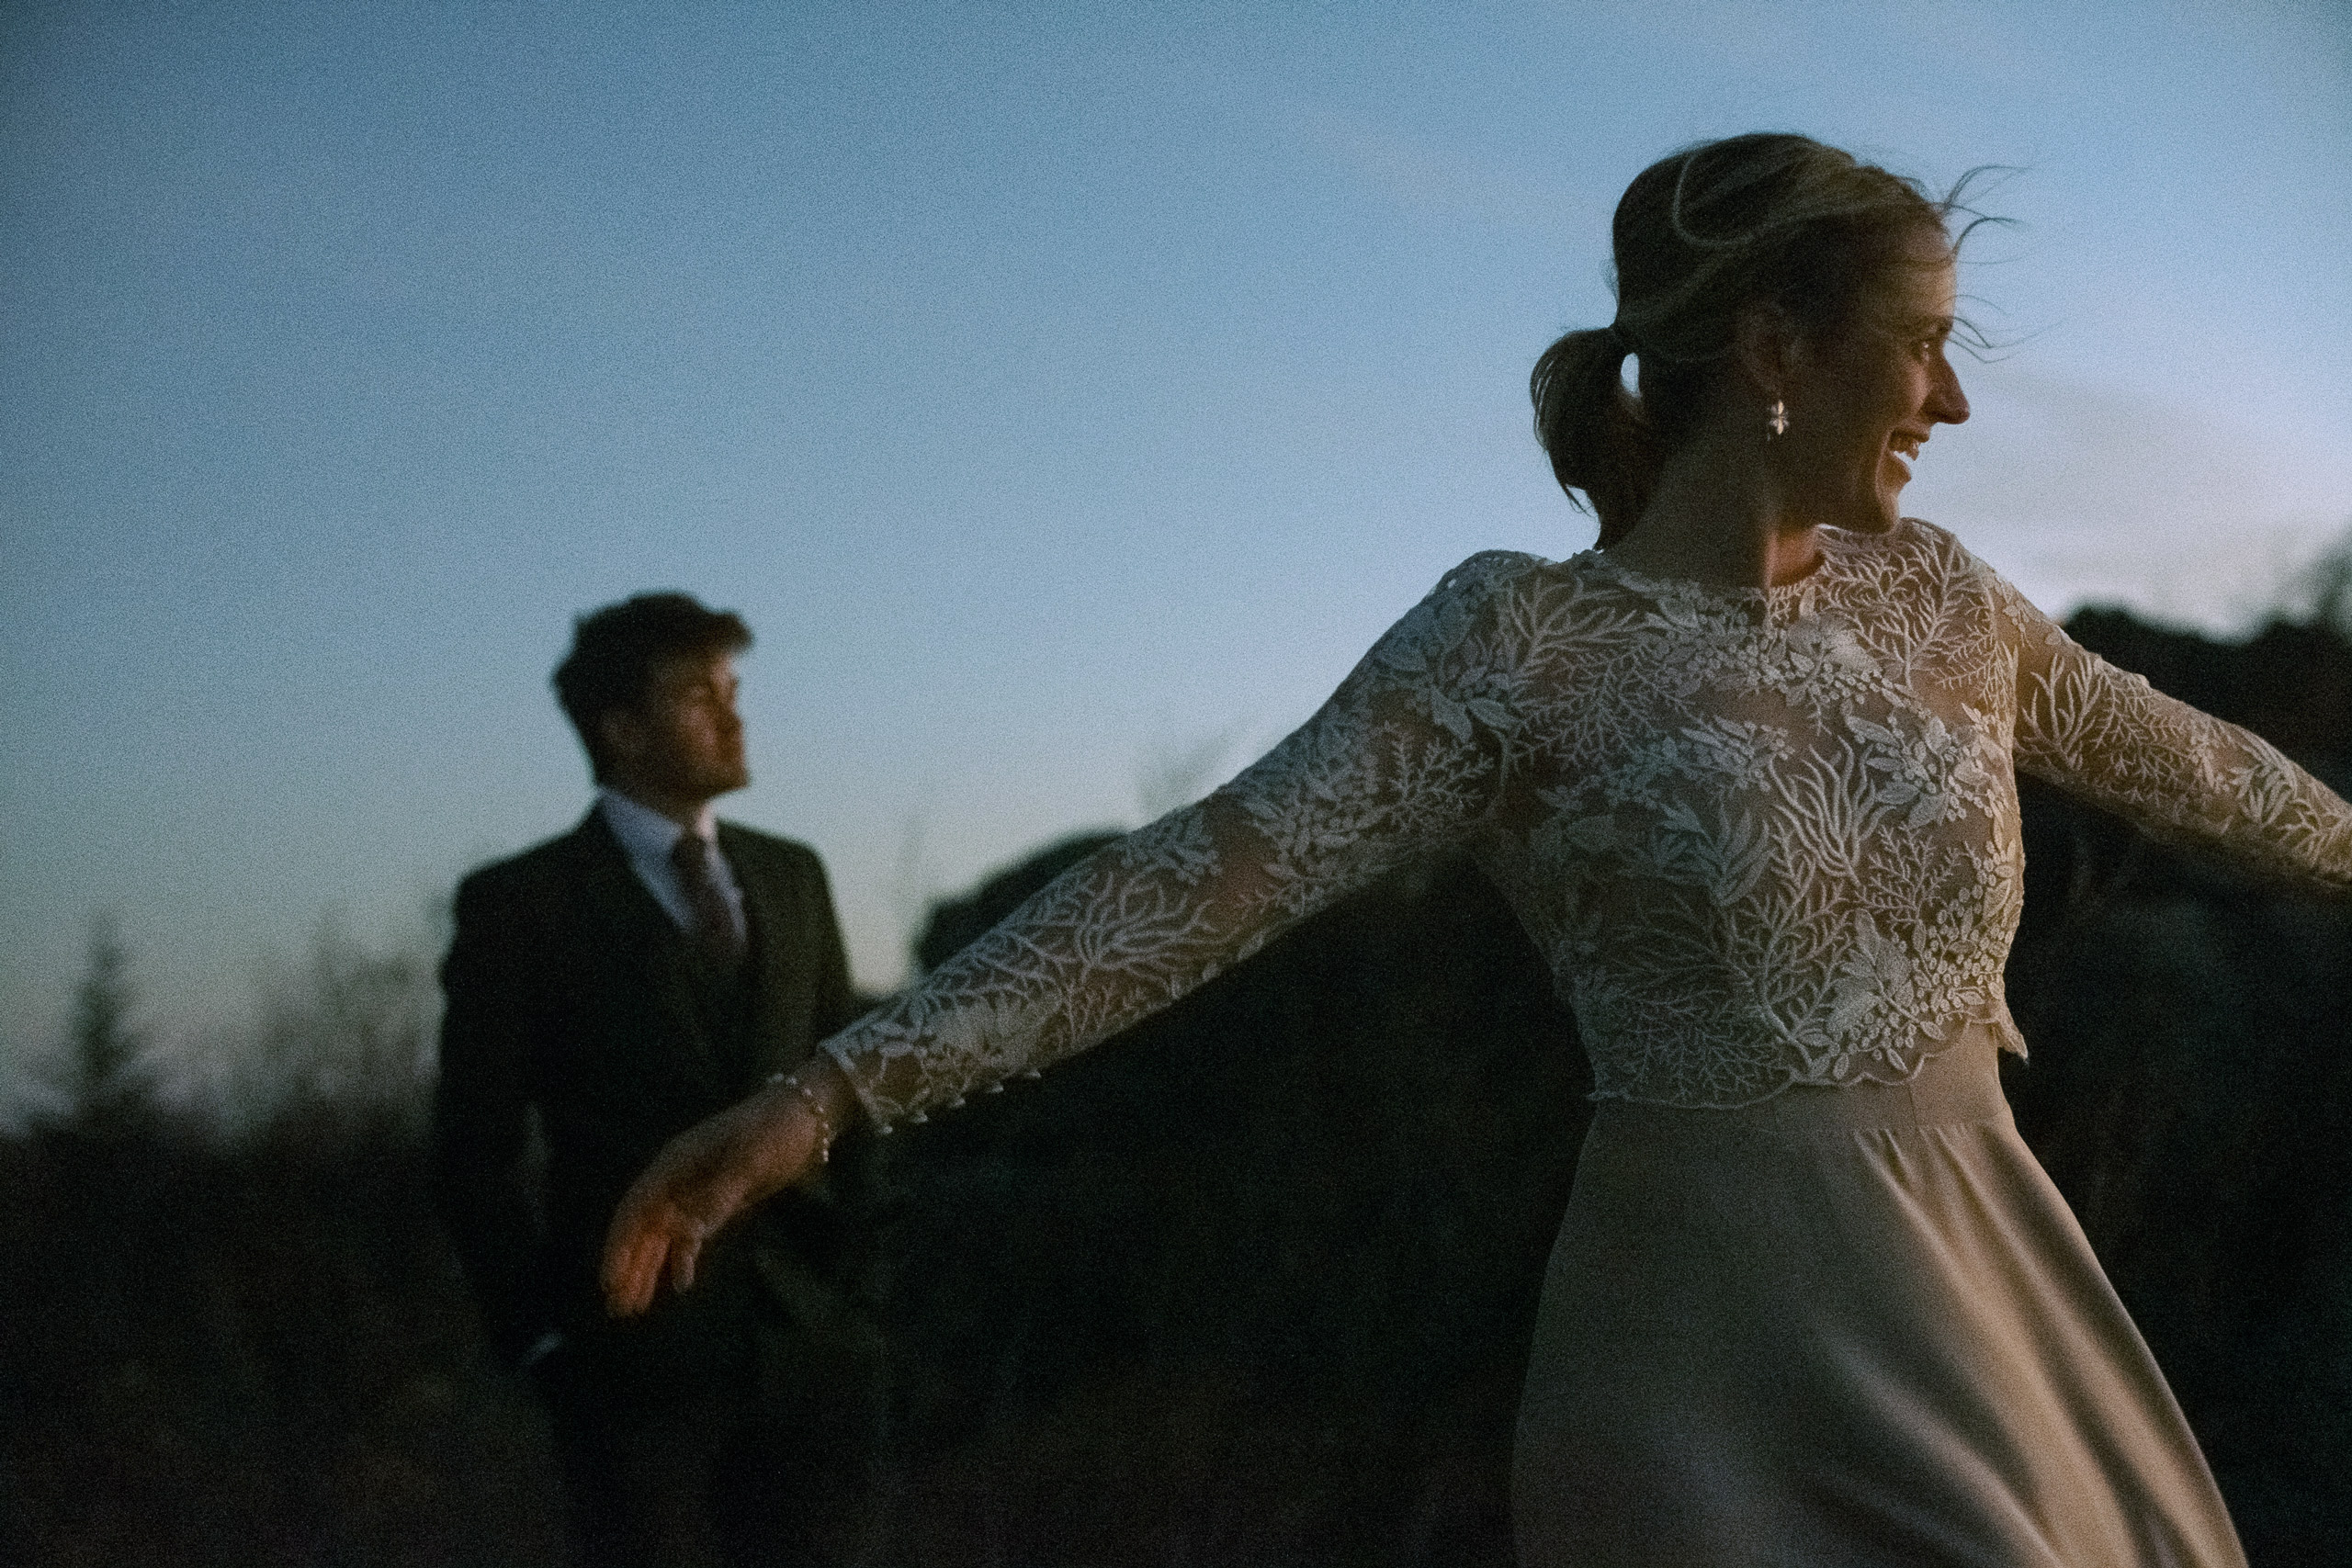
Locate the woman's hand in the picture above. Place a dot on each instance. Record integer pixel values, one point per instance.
(710, 1173)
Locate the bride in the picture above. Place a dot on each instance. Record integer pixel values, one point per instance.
(1747, 770)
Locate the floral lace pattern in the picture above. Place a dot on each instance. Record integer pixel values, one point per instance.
(1764, 837)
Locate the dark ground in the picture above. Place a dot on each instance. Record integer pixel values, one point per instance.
(1250, 1285)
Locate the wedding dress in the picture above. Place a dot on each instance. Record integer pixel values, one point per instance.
(1813, 1302)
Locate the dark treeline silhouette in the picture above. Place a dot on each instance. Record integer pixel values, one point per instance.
(1252, 1284)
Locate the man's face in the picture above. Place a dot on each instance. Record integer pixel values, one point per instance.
(683, 740)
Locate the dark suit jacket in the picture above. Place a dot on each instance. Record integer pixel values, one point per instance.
(568, 990)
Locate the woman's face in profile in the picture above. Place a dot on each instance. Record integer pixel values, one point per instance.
(1865, 401)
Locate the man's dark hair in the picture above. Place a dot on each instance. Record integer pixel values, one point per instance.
(614, 650)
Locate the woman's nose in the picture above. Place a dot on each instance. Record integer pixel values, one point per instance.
(1949, 404)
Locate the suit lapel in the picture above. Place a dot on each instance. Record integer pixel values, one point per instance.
(632, 922)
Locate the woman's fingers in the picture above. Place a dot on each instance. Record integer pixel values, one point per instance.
(636, 1253)
(694, 1186)
(659, 1229)
(682, 1252)
(654, 1226)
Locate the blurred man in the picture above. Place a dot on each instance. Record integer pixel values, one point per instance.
(616, 986)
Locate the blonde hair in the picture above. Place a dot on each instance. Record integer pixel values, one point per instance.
(1699, 236)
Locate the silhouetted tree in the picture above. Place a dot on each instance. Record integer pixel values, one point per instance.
(104, 1039)
(345, 1040)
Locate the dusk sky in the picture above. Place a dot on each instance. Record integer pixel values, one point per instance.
(1066, 395)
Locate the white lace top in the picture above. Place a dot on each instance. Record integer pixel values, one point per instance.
(1764, 837)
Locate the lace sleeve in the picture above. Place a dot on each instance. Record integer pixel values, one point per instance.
(1410, 751)
(2107, 736)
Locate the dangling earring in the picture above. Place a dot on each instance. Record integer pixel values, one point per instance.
(1776, 423)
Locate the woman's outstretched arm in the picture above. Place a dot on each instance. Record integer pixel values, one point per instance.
(2107, 736)
(1409, 753)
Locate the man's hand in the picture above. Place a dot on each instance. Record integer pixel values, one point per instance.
(706, 1176)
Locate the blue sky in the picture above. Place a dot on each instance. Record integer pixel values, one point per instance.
(1067, 394)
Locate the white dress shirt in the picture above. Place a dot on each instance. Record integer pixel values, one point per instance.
(648, 838)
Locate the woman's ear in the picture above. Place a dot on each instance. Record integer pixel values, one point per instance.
(1764, 346)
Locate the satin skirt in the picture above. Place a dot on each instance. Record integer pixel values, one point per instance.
(1846, 1326)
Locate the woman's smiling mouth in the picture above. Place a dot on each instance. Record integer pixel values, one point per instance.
(1904, 447)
